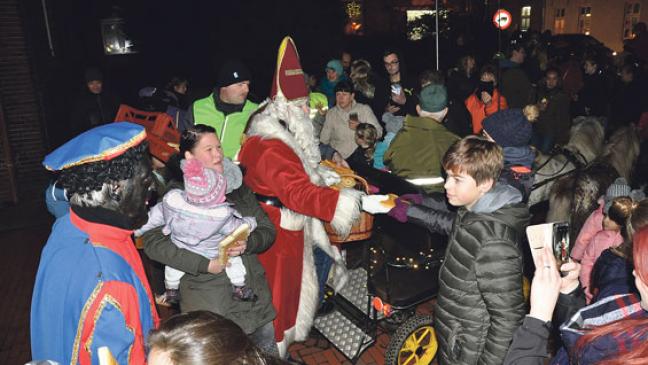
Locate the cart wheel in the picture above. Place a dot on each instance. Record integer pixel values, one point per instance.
(413, 343)
(397, 318)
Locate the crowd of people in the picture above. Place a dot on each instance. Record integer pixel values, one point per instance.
(466, 138)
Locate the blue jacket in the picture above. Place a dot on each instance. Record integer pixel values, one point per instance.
(612, 275)
(90, 291)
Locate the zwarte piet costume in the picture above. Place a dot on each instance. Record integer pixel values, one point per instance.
(91, 290)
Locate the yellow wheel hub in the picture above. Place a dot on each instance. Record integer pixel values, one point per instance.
(419, 348)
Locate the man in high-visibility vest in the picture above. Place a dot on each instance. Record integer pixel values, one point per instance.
(226, 109)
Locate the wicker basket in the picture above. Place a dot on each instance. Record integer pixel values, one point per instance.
(363, 228)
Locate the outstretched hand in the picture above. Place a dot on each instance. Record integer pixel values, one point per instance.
(412, 198)
(399, 212)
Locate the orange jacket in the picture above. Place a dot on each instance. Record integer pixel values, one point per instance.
(479, 111)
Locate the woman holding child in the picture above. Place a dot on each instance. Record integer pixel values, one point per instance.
(207, 287)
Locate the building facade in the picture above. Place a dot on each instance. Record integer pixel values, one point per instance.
(609, 21)
(391, 16)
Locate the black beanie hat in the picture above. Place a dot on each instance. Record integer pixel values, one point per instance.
(92, 74)
(232, 72)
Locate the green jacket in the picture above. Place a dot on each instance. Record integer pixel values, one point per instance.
(418, 148)
(200, 290)
(228, 128)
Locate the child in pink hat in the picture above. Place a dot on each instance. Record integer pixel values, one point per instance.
(198, 219)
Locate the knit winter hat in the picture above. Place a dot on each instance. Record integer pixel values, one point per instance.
(92, 74)
(336, 66)
(232, 72)
(203, 187)
(433, 98)
(509, 128)
(617, 189)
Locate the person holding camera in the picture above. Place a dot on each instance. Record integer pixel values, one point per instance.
(612, 330)
(343, 119)
(486, 100)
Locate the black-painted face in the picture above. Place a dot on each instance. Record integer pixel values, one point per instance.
(135, 193)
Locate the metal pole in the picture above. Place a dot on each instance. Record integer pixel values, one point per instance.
(436, 12)
(47, 28)
(499, 50)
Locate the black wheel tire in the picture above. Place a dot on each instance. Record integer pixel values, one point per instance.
(406, 332)
(397, 318)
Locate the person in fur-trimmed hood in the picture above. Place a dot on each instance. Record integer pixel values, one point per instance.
(281, 163)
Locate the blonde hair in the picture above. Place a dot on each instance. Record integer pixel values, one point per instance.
(360, 72)
(476, 156)
(531, 112)
(368, 134)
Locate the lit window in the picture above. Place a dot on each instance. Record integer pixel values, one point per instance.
(114, 36)
(631, 18)
(525, 20)
(526, 11)
(420, 23)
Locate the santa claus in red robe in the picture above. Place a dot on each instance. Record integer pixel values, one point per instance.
(281, 163)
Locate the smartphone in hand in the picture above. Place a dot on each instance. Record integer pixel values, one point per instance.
(554, 235)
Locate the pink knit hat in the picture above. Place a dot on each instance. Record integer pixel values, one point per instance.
(203, 187)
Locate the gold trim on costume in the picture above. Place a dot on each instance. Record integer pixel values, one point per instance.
(295, 72)
(108, 299)
(122, 147)
(84, 313)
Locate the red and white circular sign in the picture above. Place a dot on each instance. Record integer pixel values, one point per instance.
(502, 19)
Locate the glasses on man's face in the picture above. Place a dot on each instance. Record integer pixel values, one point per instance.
(392, 63)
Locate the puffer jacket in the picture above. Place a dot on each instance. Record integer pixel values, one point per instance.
(480, 302)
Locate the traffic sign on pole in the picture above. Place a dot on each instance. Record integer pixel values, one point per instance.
(502, 19)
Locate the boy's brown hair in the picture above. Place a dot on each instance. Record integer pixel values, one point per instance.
(475, 156)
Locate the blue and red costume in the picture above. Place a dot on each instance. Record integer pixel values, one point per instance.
(91, 291)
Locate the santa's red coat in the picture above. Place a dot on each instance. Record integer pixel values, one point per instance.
(273, 169)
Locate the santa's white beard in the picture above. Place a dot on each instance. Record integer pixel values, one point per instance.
(299, 125)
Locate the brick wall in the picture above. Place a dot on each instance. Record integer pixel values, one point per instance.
(20, 103)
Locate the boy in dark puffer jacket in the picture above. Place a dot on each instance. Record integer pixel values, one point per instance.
(480, 302)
